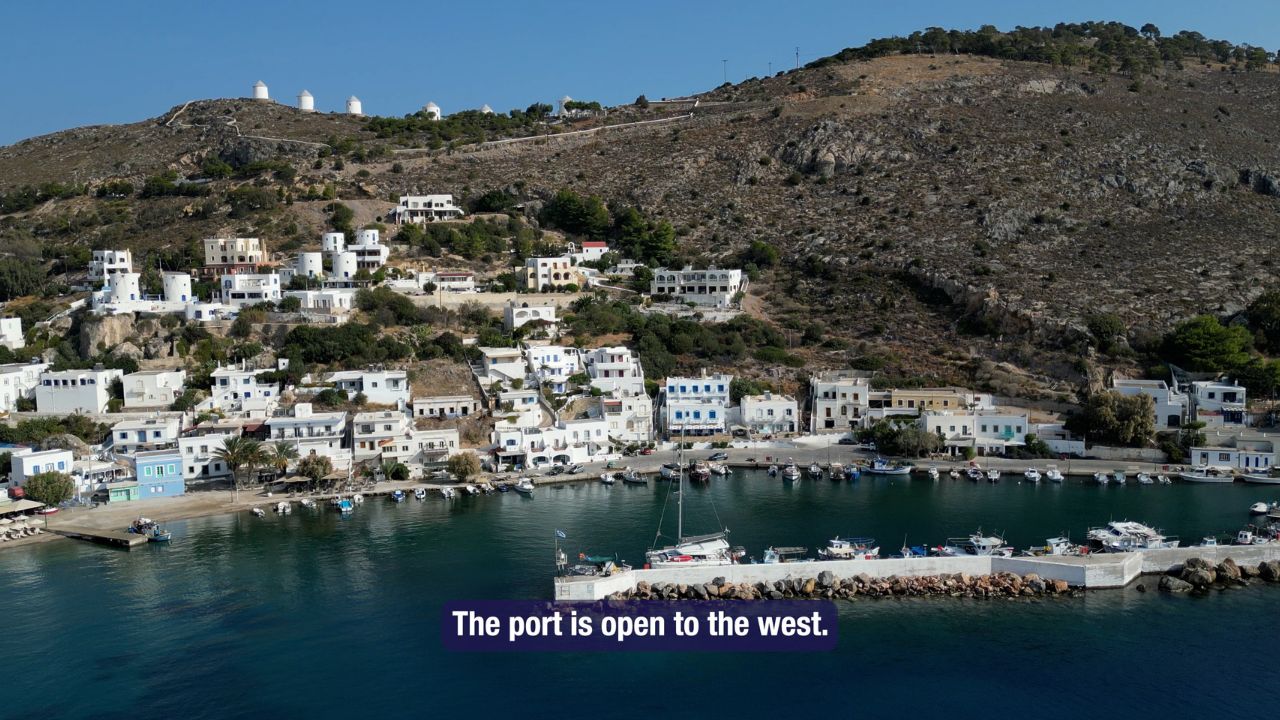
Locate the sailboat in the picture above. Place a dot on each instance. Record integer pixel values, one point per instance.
(711, 549)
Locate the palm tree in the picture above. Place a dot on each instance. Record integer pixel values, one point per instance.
(238, 452)
(280, 455)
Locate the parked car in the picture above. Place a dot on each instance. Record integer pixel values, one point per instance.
(646, 451)
(555, 470)
(719, 456)
(845, 441)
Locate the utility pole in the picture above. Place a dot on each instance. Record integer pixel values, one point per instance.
(770, 69)
(724, 69)
(797, 57)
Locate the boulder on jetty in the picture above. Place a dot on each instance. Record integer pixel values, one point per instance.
(1171, 584)
(1270, 570)
(827, 586)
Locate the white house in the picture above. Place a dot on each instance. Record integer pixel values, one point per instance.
(26, 465)
(768, 414)
(153, 388)
(19, 381)
(452, 280)
(106, 263)
(565, 443)
(500, 364)
(615, 370)
(987, 432)
(629, 417)
(710, 287)
(67, 392)
(516, 316)
(1217, 403)
(1251, 455)
(445, 406)
(90, 474)
(11, 333)
(550, 273)
(238, 389)
(370, 253)
(553, 365)
(370, 431)
(1058, 438)
(420, 449)
(1170, 405)
(312, 433)
(153, 433)
(334, 301)
(424, 209)
(199, 449)
(519, 407)
(380, 386)
(232, 255)
(590, 251)
(696, 405)
(838, 401)
(244, 289)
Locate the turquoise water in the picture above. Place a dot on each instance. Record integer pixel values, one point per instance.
(320, 616)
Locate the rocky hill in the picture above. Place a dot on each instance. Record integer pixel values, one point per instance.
(944, 217)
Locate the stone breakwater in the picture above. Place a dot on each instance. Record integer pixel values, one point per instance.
(826, 586)
(1200, 575)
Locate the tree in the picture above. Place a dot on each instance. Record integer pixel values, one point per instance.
(240, 452)
(1114, 419)
(1105, 328)
(1204, 344)
(50, 488)
(1263, 315)
(392, 470)
(315, 467)
(1150, 31)
(280, 455)
(641, 102)
(463, 465)
(571, 212)
(340, 218)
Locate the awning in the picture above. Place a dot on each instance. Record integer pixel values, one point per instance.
(18, 506)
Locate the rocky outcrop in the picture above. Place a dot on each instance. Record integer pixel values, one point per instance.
(1171, 584)
(829, 587)
(831, 147)
(1260, 182)
(102, 333)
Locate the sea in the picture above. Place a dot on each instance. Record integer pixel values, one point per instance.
(318, 615)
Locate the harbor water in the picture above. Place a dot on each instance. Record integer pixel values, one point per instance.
(314, 614)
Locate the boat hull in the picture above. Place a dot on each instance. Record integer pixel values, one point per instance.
(1207, 478)
(1261, 479)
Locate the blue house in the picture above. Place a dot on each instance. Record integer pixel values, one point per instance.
(159, 474)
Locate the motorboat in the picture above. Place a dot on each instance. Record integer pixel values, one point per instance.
(420, 493)
(718, 468)
(607, 478)
(836, 471)
(631, 477)
(357, 498)
(954, 474)
(1254, 535)
(773, 471)
(1259, 508)
(524, 487)
(933, 472)
(1270, 478)
(346, 506)
(993, 475)
(158, 535)
(1101, 478)
(1128, 536)
(670, 470)
(284, 507)
(791, 472)
(307, 503)
(141, 526)
(700, 472)
(398, 496)
(1119, 477)
(1208, 474)
(1208, 541)
(774, 555)
(852, 472)
(1053, 474)
(815, 471)
(447, 493)
(880, 466)
(258, 512)
(1145, 479)
(1055, 546)
(850, 548)
(1164, 480)
(976, 544)
(973, 473)
(1032, 475)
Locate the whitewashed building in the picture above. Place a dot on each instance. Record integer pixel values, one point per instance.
(422, 449)
(553, 365)
(332, 301)
(244, 289)
(445, 406)
(519, 407)
(517, 316)
(370, 431)
(19, 381)
(29, 464)
(629, 417)
(615, 370)
(1218, 403)
(424, 209)
(153, 388)
(199, 449)
(312, 433)
(696, 405)
(11, 333)
(238, 389)
(589, 251)
(565, 443)
(106, 263)
(550, 273)
(380, 386)
(1253, 455)
(67, 392)
(768, 414)
(501, 364)
(455, 281)
(1170, 405)
(988, 432)
(370, 253)
(709, 288)
(154, 433)
(838, 401)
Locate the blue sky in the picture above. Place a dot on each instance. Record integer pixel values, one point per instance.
(78, 62)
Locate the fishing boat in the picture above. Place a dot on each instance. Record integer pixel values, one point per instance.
(1259, 508)
(852, 472)
(1254, 535)
(773, 471)
(718, 468)
(1128, 536)
(700, 472)
(1032, 475)
(976, 544)
(933, 472)
(1208, 474)
(524, 487)
(158, 535)
(398, 496)
(1054, 546)
(909, 552)
(257, 512)
(791, 472)
(1208, 541)
(447, 493)
(1269, 478)
(307, 503)
(1145, 479)
(669, 471)
(693, 550)
(993, 475)
(1101, 478)
(283, 507)
(420, 493)
(631, 477)
(880, 466)
(471, 489)
(815, 471)
(141, 526)
(850, 548)
(785, 554)
(1119, 477)
(954, 474)
(835, 471)
(1053, 474)
(1164, 480)
(607, 478)
(357, 498)
(973, 473)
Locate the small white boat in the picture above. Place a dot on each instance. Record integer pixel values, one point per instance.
(1208, 541)
(420, 493)
(470, 489)
(1260, 479)
(1119, 477)
(993, 475)
(1259, 508)
(1208, 474)
(398, 496)
(1101, 478)
(718, 468)
(791, 472)
(851, 548)
(283, 507)
(1032, 475)
(773, 471)
(1053, 474)
(447, 493)
(1145, 479)
(607, 478)
(933, 472)
(307, 503)
(836, 471)
(257, 512)
(954, 474)
(815, 471)
(524, 487)
(357, 498)
(1164, 480)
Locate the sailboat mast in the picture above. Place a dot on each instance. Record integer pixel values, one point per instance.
(680, 489)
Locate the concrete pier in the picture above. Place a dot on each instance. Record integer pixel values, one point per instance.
(114, 538)
(1104, 570)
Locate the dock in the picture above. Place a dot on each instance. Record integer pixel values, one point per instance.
(1103, 570)
(114, 538)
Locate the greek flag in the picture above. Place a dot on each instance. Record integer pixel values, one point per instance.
(560, 534)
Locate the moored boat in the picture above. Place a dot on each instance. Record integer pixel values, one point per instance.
(1208, 474)
(1055, 546)
(1032, 475)
(784, 554)
(1145, 479)
(397, 496)
(1053, 474)
(607, 478)
(954, 474)
(880, 466)
(976, 544)
(257, 512)
(1269, 478)
(283, 507)
(631, 477)
(993, 475)
(815, 471)
(1101, 478)
(710, 549)
(773, 471)
(357, 498)
(158, 535)
(791, 472)
(850, 548)
(933, 472)
(1119, 477)
(420, 493)
(1128, 536)
(524, 487)
(307, 503)
(447, 493)
(1259, 508)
